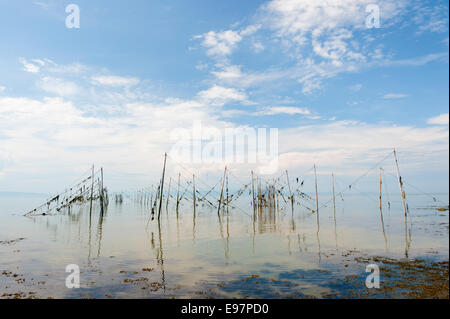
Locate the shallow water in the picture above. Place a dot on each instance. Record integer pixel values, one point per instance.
(124, 254)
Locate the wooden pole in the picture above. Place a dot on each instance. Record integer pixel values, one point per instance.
(381, 211)
(400, 183)
(334, 197)
(221, 191)
(334, 211)
(317, 196)
(168, 195)
(92, 190)
(193, 191)
(101, 190)
(162, 186)
(178, 192)
(258, 196)
(289, 185)
(278, 202)
(317, 213)
(260, 202)
(380, 198)
(253, 196)
(158, 194)
(151, 197)
(227, 195)
(101, 170)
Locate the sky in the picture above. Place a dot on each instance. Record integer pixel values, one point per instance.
(342, 91)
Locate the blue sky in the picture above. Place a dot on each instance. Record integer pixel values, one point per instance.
(112, 91)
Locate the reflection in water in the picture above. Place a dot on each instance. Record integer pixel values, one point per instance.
(201, 244)
(381, 209)
(100, 230)
(334, 211)
(269, 220)
(224, 241)
(160, 256)
(407, 241)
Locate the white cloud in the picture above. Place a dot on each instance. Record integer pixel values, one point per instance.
(251, 29)
(52, 136)
(327, 30)
(229, 72)
(222, 44)
(273, 110)
(353, 146)
(219, 95)
(417, 61)
(258, 47)
(395, 96)
(431, 18)
(38, 61)
(47, 65)
(29, 67)
(334, 47)
(233, 113)
(307, 72)
(439, 120)
(232, 75)
(77, 79)
(320, 35)
(112, 80)
(201, 66)
(292, 17)
(43, 5)
(69, 69)
(2, 88)
(58, 86)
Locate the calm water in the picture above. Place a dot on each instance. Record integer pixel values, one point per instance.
(281, 255)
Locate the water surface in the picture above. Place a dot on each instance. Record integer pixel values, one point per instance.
(122, 253)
